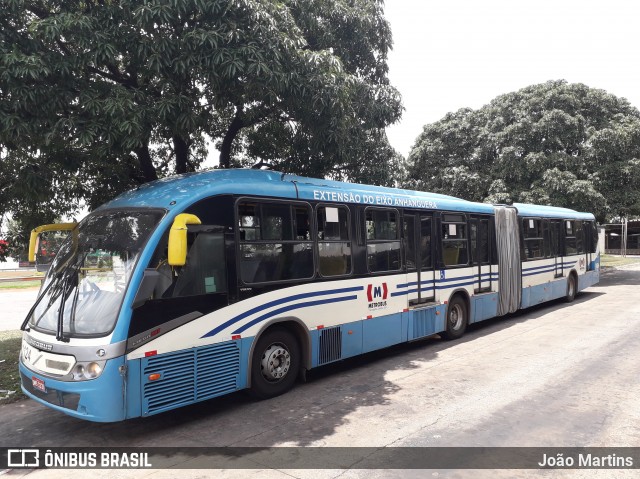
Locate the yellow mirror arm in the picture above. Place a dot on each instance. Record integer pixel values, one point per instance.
(178, 238)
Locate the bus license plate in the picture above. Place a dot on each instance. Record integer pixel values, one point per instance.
(38, 384)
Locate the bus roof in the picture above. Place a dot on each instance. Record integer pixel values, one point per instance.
(180, 191)
(525, 209)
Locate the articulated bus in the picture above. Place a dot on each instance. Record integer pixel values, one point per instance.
(199, 285)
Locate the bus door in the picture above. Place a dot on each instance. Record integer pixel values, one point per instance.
(419, 258)
(425, 251)
(556, 247)
(480, 257)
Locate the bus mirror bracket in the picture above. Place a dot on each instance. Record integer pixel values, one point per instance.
(178, 238)
(147, 286)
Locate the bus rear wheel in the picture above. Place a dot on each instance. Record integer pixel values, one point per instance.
(274, 364)
(457, 318)
(571, 288)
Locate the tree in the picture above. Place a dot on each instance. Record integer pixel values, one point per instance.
(555, 143)
(98, 96)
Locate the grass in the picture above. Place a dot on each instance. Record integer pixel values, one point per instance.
(20, 284)
(607, 260)
(10, 344)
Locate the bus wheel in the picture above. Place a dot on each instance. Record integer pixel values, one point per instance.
(457, 318)
(275, 363)
(571, 288)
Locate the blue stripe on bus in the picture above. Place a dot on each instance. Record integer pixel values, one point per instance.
(414, 283)
(447, 280)
(291, 307)
(288, 299)
(550, 269)
(551, 265)
(446, 286)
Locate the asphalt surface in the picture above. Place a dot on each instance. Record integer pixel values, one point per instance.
(555, 375)
(14, 306)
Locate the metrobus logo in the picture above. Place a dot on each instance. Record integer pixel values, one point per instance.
(375, 291)
(377, 295)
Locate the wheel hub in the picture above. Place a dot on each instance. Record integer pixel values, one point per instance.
(455, 316)
(275, 363)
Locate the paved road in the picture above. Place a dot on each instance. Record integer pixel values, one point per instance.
(556, 375)
(14, 306)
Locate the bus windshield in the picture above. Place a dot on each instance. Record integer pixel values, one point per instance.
(85, 286)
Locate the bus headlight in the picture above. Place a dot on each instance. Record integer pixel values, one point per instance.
(87, 370)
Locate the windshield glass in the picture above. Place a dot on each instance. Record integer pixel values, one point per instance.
(84, 288)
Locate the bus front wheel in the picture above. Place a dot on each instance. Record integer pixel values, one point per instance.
(275, 363)
(457, 318)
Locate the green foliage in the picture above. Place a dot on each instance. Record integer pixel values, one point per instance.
(100, 96)
(10, 344)
(554, 143)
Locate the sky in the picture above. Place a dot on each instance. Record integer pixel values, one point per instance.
(451, 54)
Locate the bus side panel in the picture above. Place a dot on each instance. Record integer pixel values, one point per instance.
(381, 332)
(424, 322)
(538, 294)
(484, 306)
(559, 288)
(191, 375)
(351, 339)
(335, 343)
(588, 279)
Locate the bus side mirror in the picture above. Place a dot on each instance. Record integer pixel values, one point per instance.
(178, 238)
(35, 234)
(36, 255)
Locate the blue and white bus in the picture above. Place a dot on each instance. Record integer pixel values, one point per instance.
(199, 285)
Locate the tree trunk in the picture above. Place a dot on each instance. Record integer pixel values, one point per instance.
(234, 128)
(146, 164)
(181, 151)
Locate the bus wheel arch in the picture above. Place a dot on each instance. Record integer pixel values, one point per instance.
(278, 353)
(572, 286)
(457, 315)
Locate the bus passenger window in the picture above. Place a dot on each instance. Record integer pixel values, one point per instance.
(454, 240)
(383, 241)
(533, 238)
(275, 241)
(570, 246)
(334, 247)
(249, 218)
(580, 243)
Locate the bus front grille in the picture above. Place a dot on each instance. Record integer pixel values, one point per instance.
(176, 379)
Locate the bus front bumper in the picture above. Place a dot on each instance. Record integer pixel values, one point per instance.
(101, 399)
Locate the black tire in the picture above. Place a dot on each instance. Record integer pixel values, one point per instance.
(275, 363)
(457, 318)
(571, 288)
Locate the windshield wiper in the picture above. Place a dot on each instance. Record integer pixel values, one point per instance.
(63, 300)
(23, 327)
(60, 287)
(67, 287)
